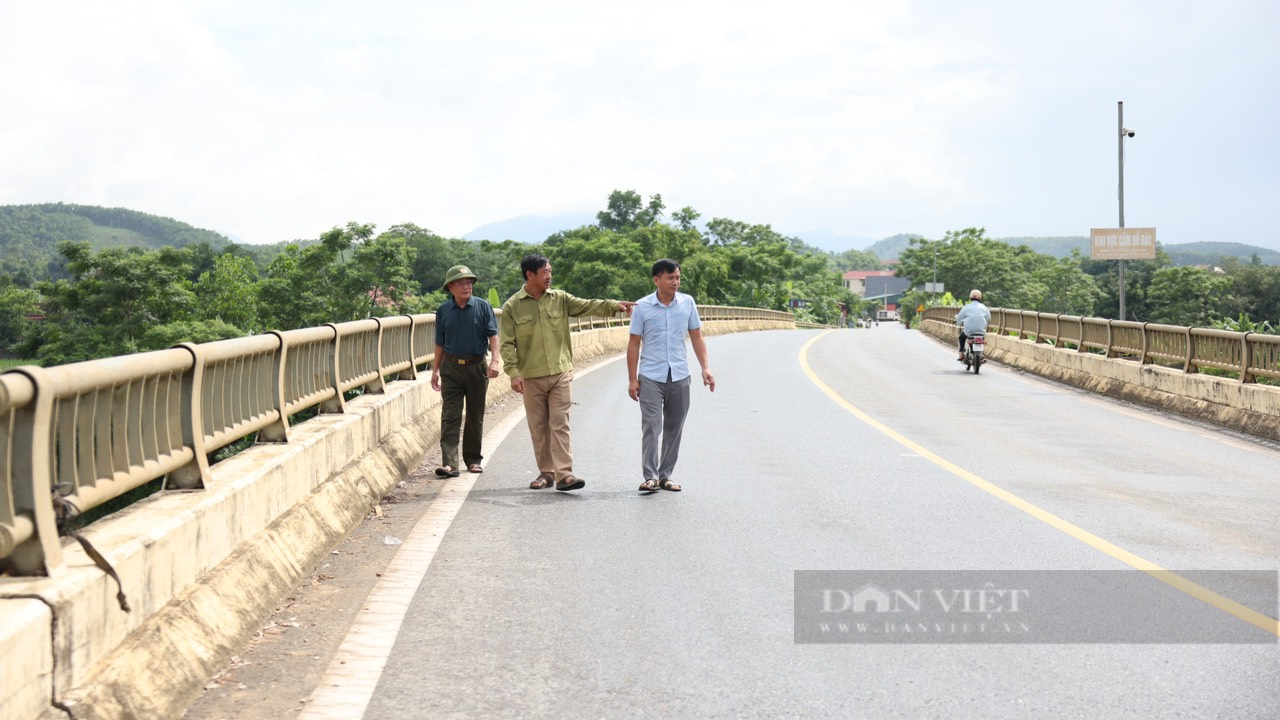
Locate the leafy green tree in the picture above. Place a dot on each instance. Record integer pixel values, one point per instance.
(627, 211)
(967, 259)
(496, 265)
(348, 275)
(725, 232)
(17, 304)
(287, 298)
(593, 262)
(1138, 275)
(705, 277)
(685, 217)
(433, 255)
(1062, 286)
(1186, 295)
(1255, 290)
(110, 301)
(380, 271)
(229, 292)
(663, 241)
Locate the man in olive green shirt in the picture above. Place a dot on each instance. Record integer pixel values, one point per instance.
(538, 355)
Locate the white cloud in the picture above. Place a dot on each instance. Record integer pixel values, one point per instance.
(275, 120)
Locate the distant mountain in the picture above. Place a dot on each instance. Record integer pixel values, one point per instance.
(529, 229)
(1197, 253)
(1211, 253)
(891, 247)
(29, 234)
(832, 241)
(1056, 246)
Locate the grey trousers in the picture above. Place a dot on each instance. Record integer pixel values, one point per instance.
(663, 408)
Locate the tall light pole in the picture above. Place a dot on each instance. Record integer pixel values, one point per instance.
(933, 298)
(1120, 141)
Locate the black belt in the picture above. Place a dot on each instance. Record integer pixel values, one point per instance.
(464, 359)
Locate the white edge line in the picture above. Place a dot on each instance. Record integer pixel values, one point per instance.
(353, 673)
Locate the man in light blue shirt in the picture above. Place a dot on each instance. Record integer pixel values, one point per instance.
(972, 319)
(658, 372)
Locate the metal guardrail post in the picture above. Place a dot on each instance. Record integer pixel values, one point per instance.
(335, 404)
(1189, 363)
(1246, 359)
(195, 474)
(423, 340)
(16, 526)
(277, 432)
(33, 483)
(378, 384)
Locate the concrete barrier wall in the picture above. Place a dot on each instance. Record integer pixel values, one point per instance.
(204, 569)
(1247, 407)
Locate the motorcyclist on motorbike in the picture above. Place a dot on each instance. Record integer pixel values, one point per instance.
(972, 319)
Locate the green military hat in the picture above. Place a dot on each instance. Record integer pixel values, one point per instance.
(457, 272)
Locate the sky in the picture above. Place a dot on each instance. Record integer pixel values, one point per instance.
(271, 120)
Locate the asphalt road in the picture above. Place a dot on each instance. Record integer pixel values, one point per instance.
(851, 451)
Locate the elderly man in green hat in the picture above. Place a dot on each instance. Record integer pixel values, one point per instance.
(466, 330)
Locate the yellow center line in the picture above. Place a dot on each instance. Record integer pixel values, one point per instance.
(1167, 577)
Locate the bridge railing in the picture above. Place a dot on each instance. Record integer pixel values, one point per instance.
(86, 433)
(1250, 355)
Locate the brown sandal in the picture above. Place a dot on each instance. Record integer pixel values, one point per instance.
(668, 485)
(541, 482)
(649, 486)
(571, 483)
(475, 468)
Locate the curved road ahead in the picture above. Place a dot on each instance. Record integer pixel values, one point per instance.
(851, 450)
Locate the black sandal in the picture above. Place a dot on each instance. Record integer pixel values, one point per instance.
(447, 471)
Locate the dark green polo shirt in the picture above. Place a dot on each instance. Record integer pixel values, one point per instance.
(465, 331)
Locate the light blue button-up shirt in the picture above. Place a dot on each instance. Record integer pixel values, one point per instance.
(662, 330)
(973, 317)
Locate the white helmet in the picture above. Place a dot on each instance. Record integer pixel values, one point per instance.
(975, 295)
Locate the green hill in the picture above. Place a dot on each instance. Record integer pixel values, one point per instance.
(891, 247)
(1056, 246)
(1211, 253)
(29, 234)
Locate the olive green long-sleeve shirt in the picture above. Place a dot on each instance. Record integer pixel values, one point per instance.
(535, 333)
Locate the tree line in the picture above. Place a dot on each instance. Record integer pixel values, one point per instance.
(1234, 293)
(116, 301)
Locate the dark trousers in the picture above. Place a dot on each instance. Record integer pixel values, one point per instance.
(963, 337)
(462, 385)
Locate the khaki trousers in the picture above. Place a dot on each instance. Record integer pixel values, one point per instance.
(546, 408)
